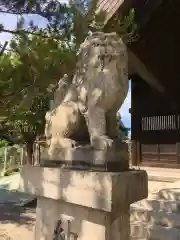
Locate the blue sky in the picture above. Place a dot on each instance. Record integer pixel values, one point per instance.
(124, 111)
(9, 22)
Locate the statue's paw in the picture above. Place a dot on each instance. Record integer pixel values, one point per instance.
(102, 142)
(67, 143)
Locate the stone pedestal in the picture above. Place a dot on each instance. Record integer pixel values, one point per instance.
(115, 159)
(90, 205)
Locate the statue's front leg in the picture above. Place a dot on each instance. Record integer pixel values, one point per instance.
(96, 122)
(111, 121)
(57, 145)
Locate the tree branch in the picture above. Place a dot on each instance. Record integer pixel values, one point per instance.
(48, 14)
(20, 32)
(3, 48)
(42, 14)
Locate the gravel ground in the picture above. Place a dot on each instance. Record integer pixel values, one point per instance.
(16, 223)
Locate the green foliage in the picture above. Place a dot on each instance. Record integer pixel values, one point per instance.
(33, 67)
(121, 129)
(36, 63)
(125, 26)
(33, 64)
(128, 27)
(28, 121)
(26, 72)
(3, 143)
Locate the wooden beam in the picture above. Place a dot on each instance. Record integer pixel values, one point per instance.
(110, 7)
(178, 152)
(138, 67)
(135, 153)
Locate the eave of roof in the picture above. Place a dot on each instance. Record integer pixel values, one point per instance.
(143, 8)
(108, 6)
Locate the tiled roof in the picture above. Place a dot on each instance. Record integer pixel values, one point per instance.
(109, 6)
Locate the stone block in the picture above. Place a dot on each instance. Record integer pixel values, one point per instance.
(85, 157)
(141, 230)
(90, 205)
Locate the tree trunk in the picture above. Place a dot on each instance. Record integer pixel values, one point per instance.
(29, 150)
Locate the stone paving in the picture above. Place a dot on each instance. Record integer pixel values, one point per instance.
(16, 222)
(8, 190)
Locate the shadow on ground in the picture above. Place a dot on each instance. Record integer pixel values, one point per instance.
(12, 212)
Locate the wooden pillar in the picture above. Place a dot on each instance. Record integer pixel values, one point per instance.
(178, 152)
(136, 153)
(135, 122)
(133, 153)
(158, 152)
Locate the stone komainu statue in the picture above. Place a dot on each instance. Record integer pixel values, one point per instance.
(85, 108)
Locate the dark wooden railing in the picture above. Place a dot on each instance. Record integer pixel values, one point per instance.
(160, 123)
(158, 142)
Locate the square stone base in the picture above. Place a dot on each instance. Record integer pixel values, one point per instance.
(90, 205)
(86, 224)
(79, 222)
(85, 157)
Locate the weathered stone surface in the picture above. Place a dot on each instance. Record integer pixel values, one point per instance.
(91, 205)
(115, 159)
(85, 109)
(90, 189)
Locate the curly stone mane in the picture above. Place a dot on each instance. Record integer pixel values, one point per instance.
(97, 52)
